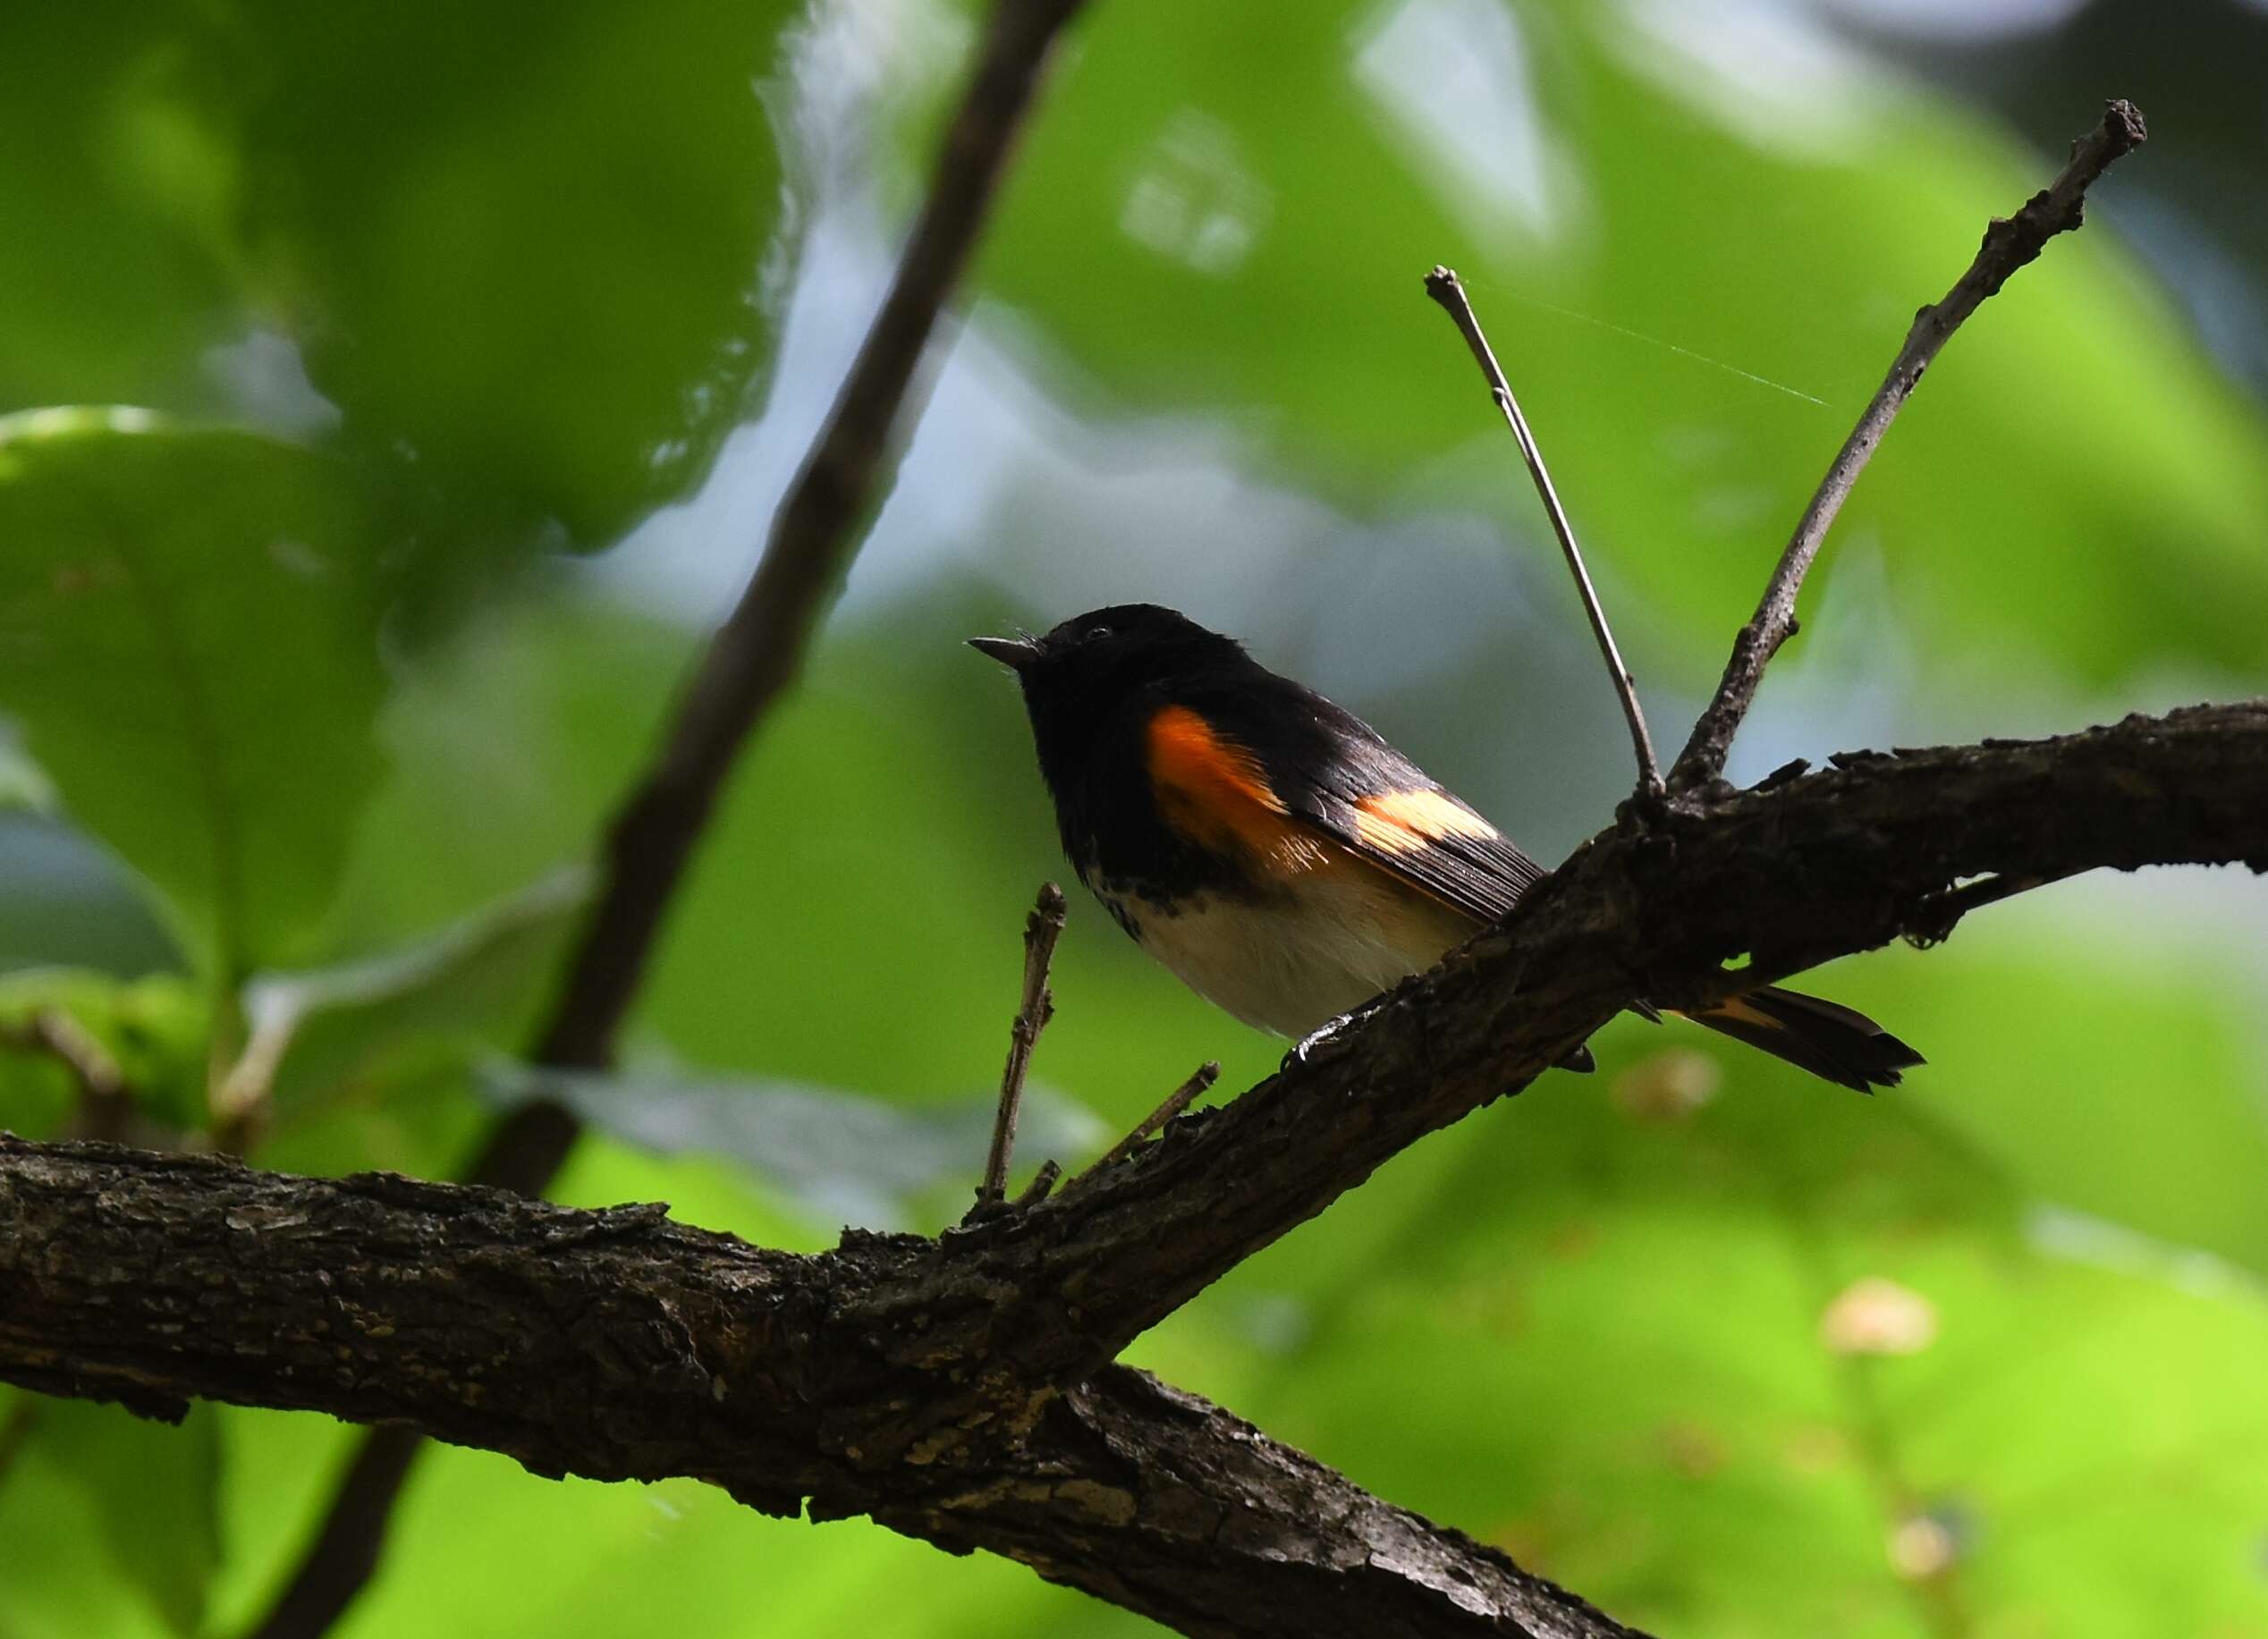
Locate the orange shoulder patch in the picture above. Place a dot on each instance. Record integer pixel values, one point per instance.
(1215, 792)
(1403, 822)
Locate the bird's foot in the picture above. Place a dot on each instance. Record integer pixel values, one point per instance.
(1327, 1040)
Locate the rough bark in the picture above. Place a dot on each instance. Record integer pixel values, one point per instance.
(956, 1389)
(1819, 865)
(618, 1344)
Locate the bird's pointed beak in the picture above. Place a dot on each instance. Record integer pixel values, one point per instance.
(1014, 653)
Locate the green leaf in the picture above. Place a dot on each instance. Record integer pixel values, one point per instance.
(156, 1495)
(65, 901)
(546, 284)
(115, 287)
(521, 256)
(846, 1158)
(188, 638)
(476, 983)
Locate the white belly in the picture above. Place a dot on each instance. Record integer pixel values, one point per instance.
(1290, 965)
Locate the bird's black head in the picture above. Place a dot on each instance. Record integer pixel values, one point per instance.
(1107, 656)
(1092, 681)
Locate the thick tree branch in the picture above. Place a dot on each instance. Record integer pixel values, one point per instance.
(925, 1381)
(1833, 863)
(618, 1344)
(2009, 244)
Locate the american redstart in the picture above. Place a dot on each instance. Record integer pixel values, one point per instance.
(1279, 857)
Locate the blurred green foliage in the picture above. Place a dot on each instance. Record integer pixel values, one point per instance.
(310, 720)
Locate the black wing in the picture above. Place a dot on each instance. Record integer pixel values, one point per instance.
(1333, 770)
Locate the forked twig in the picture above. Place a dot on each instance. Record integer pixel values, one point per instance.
(2009, 244)
(1444, 287)
(1041, 928)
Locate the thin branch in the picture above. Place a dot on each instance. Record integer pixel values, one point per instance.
(2009, 244)
(1042, 1185)
(1177, 1101)
(239, 1100)
(1444, 287)
(751, 659)
(1043, 927)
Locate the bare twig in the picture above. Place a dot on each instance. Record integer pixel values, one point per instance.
(105, 1103)
(239, 1100)
(1042, 1185)
(1041, 928)
(1443, 286)
(752, 657)
(1934, 919)
(2009, 244)
(1176, 1101)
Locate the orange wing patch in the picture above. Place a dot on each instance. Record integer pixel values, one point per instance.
(1404, 821)
(1214, 792)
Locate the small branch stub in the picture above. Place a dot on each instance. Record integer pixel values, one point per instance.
(1444, 287)
(1177, 1101)
(2009, 244)
(1041, 928)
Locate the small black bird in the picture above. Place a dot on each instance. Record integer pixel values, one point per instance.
(1285, 860)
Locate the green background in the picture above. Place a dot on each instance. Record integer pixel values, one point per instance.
(389, 399)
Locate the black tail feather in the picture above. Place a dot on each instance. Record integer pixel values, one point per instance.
(1835, 1042)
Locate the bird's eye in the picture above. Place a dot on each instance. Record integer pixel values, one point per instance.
(1094, 632)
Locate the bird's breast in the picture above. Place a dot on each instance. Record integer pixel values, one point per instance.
(1291, 959)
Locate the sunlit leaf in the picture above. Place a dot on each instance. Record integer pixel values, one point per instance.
(545, 286)
(188, 638)
(2118, 1076)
